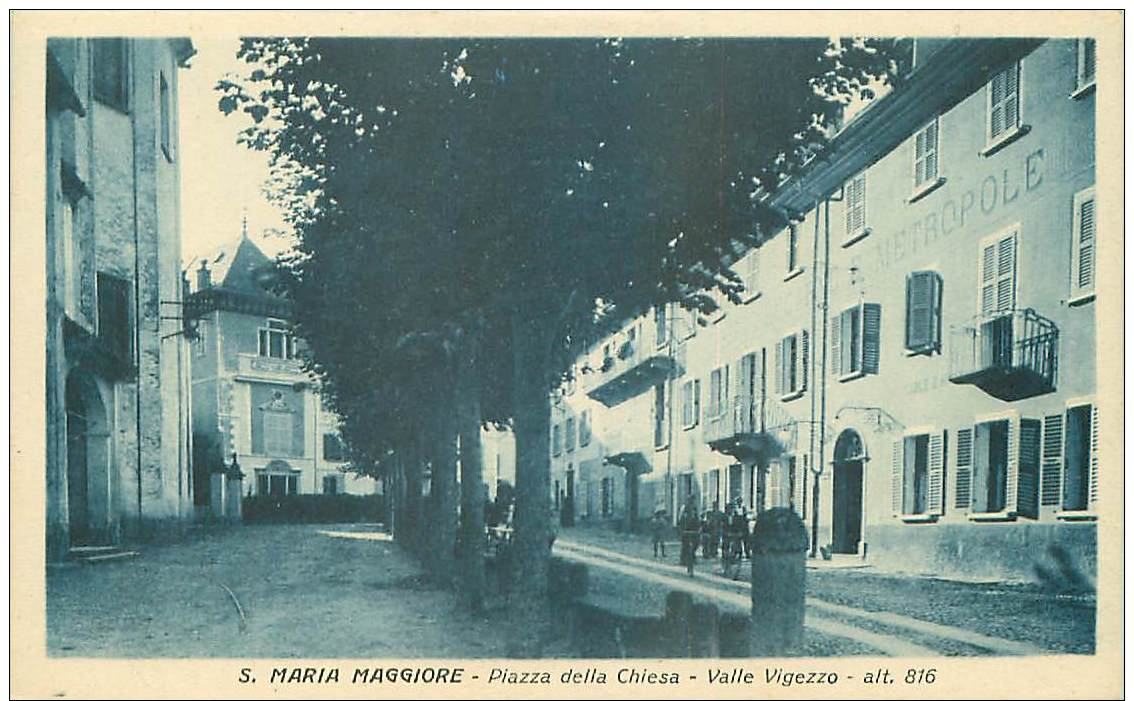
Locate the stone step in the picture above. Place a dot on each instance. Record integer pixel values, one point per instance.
(101, 555)
(80, 550)
(112, 557)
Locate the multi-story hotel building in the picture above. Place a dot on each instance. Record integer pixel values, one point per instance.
(912, 368)
(116, 415)
(252, 397)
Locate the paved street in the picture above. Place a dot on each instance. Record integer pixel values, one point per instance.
(305, 591)
(870, 611)
(347, 591)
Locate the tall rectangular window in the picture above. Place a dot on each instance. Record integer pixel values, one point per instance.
(854, 196)
(855, 339)
(690, 403)
(792, 248)
(111, 72)
(923, 311)
(925, 155)
(585, 428)
(997, 274)
(661, 328)
(115, 316)
(1004, 103)
(916, 474)
(792, 354)
(275, 340)
(1083, 246)
(72, 260)
(990, 466)
(607, 496)
(333, 448)
(718, 391)
(661, 437)
(751, 275)
(557, 439)
(1084, 64)
(919, 474)
(330, 484)
(569, 438)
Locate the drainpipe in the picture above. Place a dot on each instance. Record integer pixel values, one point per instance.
(137, 295)
(822, 369)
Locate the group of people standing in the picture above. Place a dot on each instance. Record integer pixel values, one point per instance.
(727, 533)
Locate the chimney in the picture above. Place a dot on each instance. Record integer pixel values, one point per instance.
(203, 279)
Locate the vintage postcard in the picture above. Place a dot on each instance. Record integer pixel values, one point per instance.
(588, 354)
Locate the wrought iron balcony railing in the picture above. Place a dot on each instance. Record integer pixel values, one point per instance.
(632, 369)
(1011, 355)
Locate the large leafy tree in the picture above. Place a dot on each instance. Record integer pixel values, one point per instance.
(460, 205)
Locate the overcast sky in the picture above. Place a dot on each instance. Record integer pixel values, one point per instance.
(219, 178)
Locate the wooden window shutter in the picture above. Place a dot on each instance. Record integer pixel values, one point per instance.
(1086, 61)
(963, 477)
(923, 311)
(696, 401)
(931, 151)
(802, 355)
(1027, 499)
(998, 275)
(1083, 247)
(897, 468)
(936, 473)
(759, 383)
(996, 105)
(919, 157)
(1051, 470)
(837, 345)
(856, 204)
(871, 337)
(988, 279)
(1004, 101)
(980, 470)
(1012, 479)
(1012, 96)
(780, 390)
(1006, 274)
(925, 154)
(1093, 493)
(1086, 64)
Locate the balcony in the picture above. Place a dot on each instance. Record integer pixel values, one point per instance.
(1010, 356)
(633, 369)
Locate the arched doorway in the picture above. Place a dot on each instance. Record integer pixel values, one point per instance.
(88, 462)
(846, 519)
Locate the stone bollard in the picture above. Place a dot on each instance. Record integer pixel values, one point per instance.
(234, 495)
(216, 495)
(779, 548)
(705, 631)
(678, 612)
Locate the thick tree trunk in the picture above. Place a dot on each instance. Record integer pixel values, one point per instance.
(441, 523)
(531, 540)
(412, 511)
(473, 494)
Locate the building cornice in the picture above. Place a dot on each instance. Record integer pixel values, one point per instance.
(220, 299)
(950, 75)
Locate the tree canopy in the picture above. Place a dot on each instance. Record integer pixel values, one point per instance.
(433, 179)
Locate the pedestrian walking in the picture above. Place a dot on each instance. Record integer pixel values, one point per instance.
(658, 527)
(690, 526)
